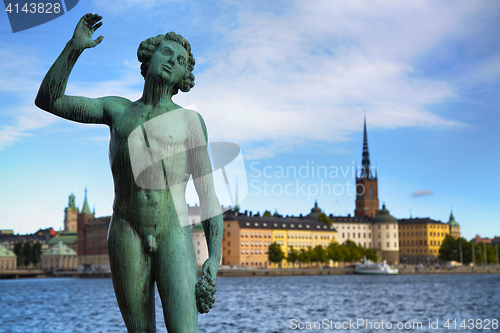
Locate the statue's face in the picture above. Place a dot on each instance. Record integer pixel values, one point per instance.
(168, 63)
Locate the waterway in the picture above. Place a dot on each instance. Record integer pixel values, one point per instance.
(271, 304)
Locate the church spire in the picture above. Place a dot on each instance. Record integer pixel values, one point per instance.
(366, 170)
(85, 208)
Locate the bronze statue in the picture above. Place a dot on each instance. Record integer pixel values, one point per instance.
(155, 146)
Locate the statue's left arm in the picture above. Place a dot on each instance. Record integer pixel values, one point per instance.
(211, 214)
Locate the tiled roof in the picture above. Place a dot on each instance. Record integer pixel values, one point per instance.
(298, 223)
(417, 220)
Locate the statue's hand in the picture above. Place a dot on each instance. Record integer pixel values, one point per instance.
(88, 24)
(205, 288)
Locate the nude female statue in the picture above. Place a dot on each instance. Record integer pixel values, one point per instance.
(149, 238)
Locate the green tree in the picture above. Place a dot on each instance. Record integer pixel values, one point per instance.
(305, 255)
(18, 250)
(319, 255)
(37, 252)
(353, 251)
(275, 253)
(323, 218)
(267, 214)
(27, 254)
(335, 252)
(371, 254)
(293, 256)
(450, 250)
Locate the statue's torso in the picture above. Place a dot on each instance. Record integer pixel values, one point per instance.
(154, 201)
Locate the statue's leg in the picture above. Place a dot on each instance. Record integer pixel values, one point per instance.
(133, 280)
(176, 276)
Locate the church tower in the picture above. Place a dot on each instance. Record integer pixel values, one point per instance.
(366, 185)
(71, 215)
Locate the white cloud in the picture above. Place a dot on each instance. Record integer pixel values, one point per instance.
(307, 75)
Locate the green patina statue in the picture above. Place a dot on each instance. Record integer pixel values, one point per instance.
(155, 147)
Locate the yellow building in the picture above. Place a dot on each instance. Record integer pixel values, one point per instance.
(247, 238)
(420, 239)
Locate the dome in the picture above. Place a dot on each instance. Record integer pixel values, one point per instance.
(452, 221)
(315, 211)
(384, 216)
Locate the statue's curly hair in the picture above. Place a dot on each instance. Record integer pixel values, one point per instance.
(149, 46)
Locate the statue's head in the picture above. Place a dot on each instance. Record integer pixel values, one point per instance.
(148, 47)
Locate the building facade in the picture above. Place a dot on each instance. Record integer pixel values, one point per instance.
(59, 257)
(420, 239)
(8, 260)
(247, 238)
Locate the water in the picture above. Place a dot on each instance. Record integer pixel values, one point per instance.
(265, 304)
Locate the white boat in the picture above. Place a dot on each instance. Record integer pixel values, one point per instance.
(369, 267)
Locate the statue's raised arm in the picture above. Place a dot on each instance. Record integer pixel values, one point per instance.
(51, 97)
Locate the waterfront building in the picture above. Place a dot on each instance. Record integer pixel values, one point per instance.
(42, 236)
(247, 238)
(454, 227)
(8, 260)
(420, 239)
(197, 233)
(59, 257)
(478, 239)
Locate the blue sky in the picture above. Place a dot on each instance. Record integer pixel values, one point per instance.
(289, 83)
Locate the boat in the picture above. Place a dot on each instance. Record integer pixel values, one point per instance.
(369, 267)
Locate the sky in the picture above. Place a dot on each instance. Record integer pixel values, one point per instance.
(290, 82)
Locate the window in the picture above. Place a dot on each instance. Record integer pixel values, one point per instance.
(387, 235)
(228, 234)
(387, 226)
(395, 235)
(379, 245)
(395, 244)
(229, 252)
(228, 243)
(379, 226)
(370, 192)
(343, 235)
(353, 235)
(387, 244)
(379, 235)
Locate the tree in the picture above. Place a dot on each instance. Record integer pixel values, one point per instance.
(293, 256)
(275, 253)
(335, 252)
(371, 254)
(37, 252)
(18, 250)
(450, 250)
(305, 255)
(319, 255)
(27, 254)
(323, 218)
(267, 214)
(353, 251)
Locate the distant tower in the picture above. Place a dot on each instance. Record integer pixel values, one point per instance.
(454, 227)
(366, 185)
(83, 218)
(71, 215)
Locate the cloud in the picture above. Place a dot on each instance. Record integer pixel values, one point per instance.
(307, 74)
(28, 118)
(421, 193)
